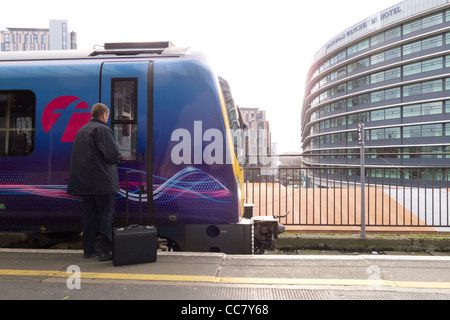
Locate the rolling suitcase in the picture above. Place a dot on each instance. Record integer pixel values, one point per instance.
(135, 243)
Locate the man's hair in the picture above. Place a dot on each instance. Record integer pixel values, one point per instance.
(98, 109)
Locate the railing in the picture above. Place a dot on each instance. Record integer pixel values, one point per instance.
(331, 196)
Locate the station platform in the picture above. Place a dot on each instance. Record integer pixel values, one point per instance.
(28, 274)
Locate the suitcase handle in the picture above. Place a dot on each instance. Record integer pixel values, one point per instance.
(133, 226)
(140, 195)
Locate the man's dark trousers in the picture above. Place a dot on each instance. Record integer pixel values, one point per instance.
(98, 215)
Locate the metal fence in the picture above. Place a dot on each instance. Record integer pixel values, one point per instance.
(331, 196)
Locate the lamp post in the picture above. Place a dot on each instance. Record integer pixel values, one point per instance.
(363, 175)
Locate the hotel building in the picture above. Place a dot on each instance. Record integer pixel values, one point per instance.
(390, 72)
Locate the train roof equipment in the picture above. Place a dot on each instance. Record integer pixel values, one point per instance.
(108, 50)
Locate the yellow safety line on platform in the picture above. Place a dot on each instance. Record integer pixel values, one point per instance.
(110, 276)
(229, 280)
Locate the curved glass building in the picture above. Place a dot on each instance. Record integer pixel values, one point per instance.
(392, 73)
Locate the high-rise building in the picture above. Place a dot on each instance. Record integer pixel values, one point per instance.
(258, 137)
(390, 72)
(56, 37)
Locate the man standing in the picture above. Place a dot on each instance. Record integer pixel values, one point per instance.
(93, 176)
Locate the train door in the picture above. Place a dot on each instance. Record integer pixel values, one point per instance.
(126, 88)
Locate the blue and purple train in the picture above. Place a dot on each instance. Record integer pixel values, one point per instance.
(171, 116)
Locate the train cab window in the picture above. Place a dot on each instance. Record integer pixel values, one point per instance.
(124, 120)
(17, 123)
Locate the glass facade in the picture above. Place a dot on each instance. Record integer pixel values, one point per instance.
(396, 80)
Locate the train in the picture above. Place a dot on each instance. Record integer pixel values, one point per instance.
(179, 131)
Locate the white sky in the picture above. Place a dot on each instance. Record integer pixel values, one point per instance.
(263, 48)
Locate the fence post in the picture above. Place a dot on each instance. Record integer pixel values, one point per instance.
(361, 138)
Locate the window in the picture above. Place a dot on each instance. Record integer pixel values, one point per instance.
(424, 131)
(376, 134)
(382, 95)
(337, 89)
(412, 47)
(392, 34)
(392, 93)
(412, 110)
(377, 77)
(64, 36)
(432, 86)
(447, 83)
(124, 120)
(413, 26)
(392, 74)
(385, 55)
(17, 122)
(422, 45)
(412, 132)
(432, 64)
(358, 100)
(377, 58)
(385, 36)
(423, 23)
(422, 88)
(358, 47)
(428, 153)
(358, 117)
(392, 133)
(358, 65)
(341, 88)
(383, 134)
(392, 53)
(412, 90)
(358, 82)
(393, 113)
(447, 106)
(385, 114)
(341, 72)
(377, 115)
(385, 75)
(423, 66)
(412, 68)
(432, 130)
(432, 42)
(431, 108)
(432, 20)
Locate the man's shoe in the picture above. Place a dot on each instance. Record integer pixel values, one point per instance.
(105, 256)
(91, 255)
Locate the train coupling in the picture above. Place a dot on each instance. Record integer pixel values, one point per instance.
(265, 231)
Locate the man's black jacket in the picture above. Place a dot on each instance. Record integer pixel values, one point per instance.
(93, 164)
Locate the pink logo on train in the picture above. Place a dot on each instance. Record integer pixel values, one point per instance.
(55, 108)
